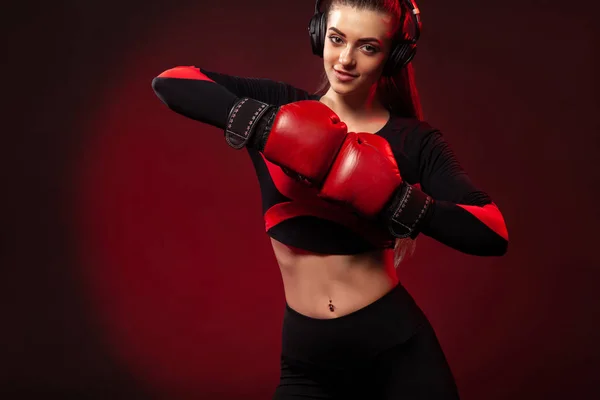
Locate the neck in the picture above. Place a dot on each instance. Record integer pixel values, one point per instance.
(358, 105)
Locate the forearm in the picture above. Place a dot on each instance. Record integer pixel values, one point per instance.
(476, 228)
(286, 135)
(473, 230)
(189, 92)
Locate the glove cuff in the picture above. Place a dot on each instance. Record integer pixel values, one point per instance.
(407, 211)
(242, 121)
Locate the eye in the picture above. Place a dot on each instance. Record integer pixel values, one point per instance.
(335, 39)
(370, 49)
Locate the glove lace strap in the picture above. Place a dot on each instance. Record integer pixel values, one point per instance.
(407, 210)
(242, 120)
(262, 130)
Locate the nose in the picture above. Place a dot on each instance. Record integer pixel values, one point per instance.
(346, 57)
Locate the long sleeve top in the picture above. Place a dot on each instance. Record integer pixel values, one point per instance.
(462, 216)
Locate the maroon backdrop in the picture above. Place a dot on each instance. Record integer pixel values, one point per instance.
(125, 273)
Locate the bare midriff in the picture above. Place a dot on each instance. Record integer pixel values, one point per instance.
(330, 286)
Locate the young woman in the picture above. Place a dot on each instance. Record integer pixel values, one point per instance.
(337, 202)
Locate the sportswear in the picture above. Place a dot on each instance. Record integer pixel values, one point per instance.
(462, 216)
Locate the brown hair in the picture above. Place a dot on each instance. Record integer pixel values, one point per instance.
(398, 92)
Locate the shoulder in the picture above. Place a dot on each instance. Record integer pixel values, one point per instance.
(408, 131)
(406, 125)
(410, 138)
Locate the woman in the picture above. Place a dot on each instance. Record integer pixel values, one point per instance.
(350, 329)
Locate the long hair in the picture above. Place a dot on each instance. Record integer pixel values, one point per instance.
(398, 93)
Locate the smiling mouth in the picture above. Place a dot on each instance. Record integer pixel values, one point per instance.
(345, 73)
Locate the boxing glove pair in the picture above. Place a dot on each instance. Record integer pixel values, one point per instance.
(310, 142)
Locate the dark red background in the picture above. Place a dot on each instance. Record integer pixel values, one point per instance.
(134, 263)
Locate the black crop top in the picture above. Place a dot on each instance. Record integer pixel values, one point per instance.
(463, 216)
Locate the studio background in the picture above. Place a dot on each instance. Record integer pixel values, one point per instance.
(133, 258)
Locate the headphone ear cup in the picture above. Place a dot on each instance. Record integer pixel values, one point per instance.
(411, 50)
(316, 31)
(322, 29)
(391, 65)
(401, 55)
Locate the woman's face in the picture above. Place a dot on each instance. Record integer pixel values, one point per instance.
(357, 43)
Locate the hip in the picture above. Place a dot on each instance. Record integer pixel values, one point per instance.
(354, 339)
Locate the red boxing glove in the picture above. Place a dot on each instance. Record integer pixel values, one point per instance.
(305, 137)
(309, 142)
(364, 175)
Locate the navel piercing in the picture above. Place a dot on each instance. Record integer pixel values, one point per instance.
(331, 306)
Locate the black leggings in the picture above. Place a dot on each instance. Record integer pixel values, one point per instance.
(386, 350)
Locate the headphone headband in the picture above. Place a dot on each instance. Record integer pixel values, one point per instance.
(412, 6)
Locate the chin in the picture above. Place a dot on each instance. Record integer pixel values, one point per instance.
(342, 88)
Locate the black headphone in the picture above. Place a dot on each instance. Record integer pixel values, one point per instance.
(403, 50)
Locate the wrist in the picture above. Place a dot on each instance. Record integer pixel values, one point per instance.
(407, 210)
(247, 123)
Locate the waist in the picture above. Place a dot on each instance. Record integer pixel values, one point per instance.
(330, 286)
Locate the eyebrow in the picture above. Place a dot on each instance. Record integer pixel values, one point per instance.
(369, 39)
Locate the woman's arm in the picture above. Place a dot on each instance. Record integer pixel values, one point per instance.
(461, 216)
(287, 135)
(208, 96)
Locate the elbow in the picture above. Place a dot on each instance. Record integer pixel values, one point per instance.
(484, 247)
(502, 246)
(494, 248)
(156, 84)
(159, 89)
(501, 249)
(494, 242)
(178, 85)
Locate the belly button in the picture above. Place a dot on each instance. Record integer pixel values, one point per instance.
(331, 306)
